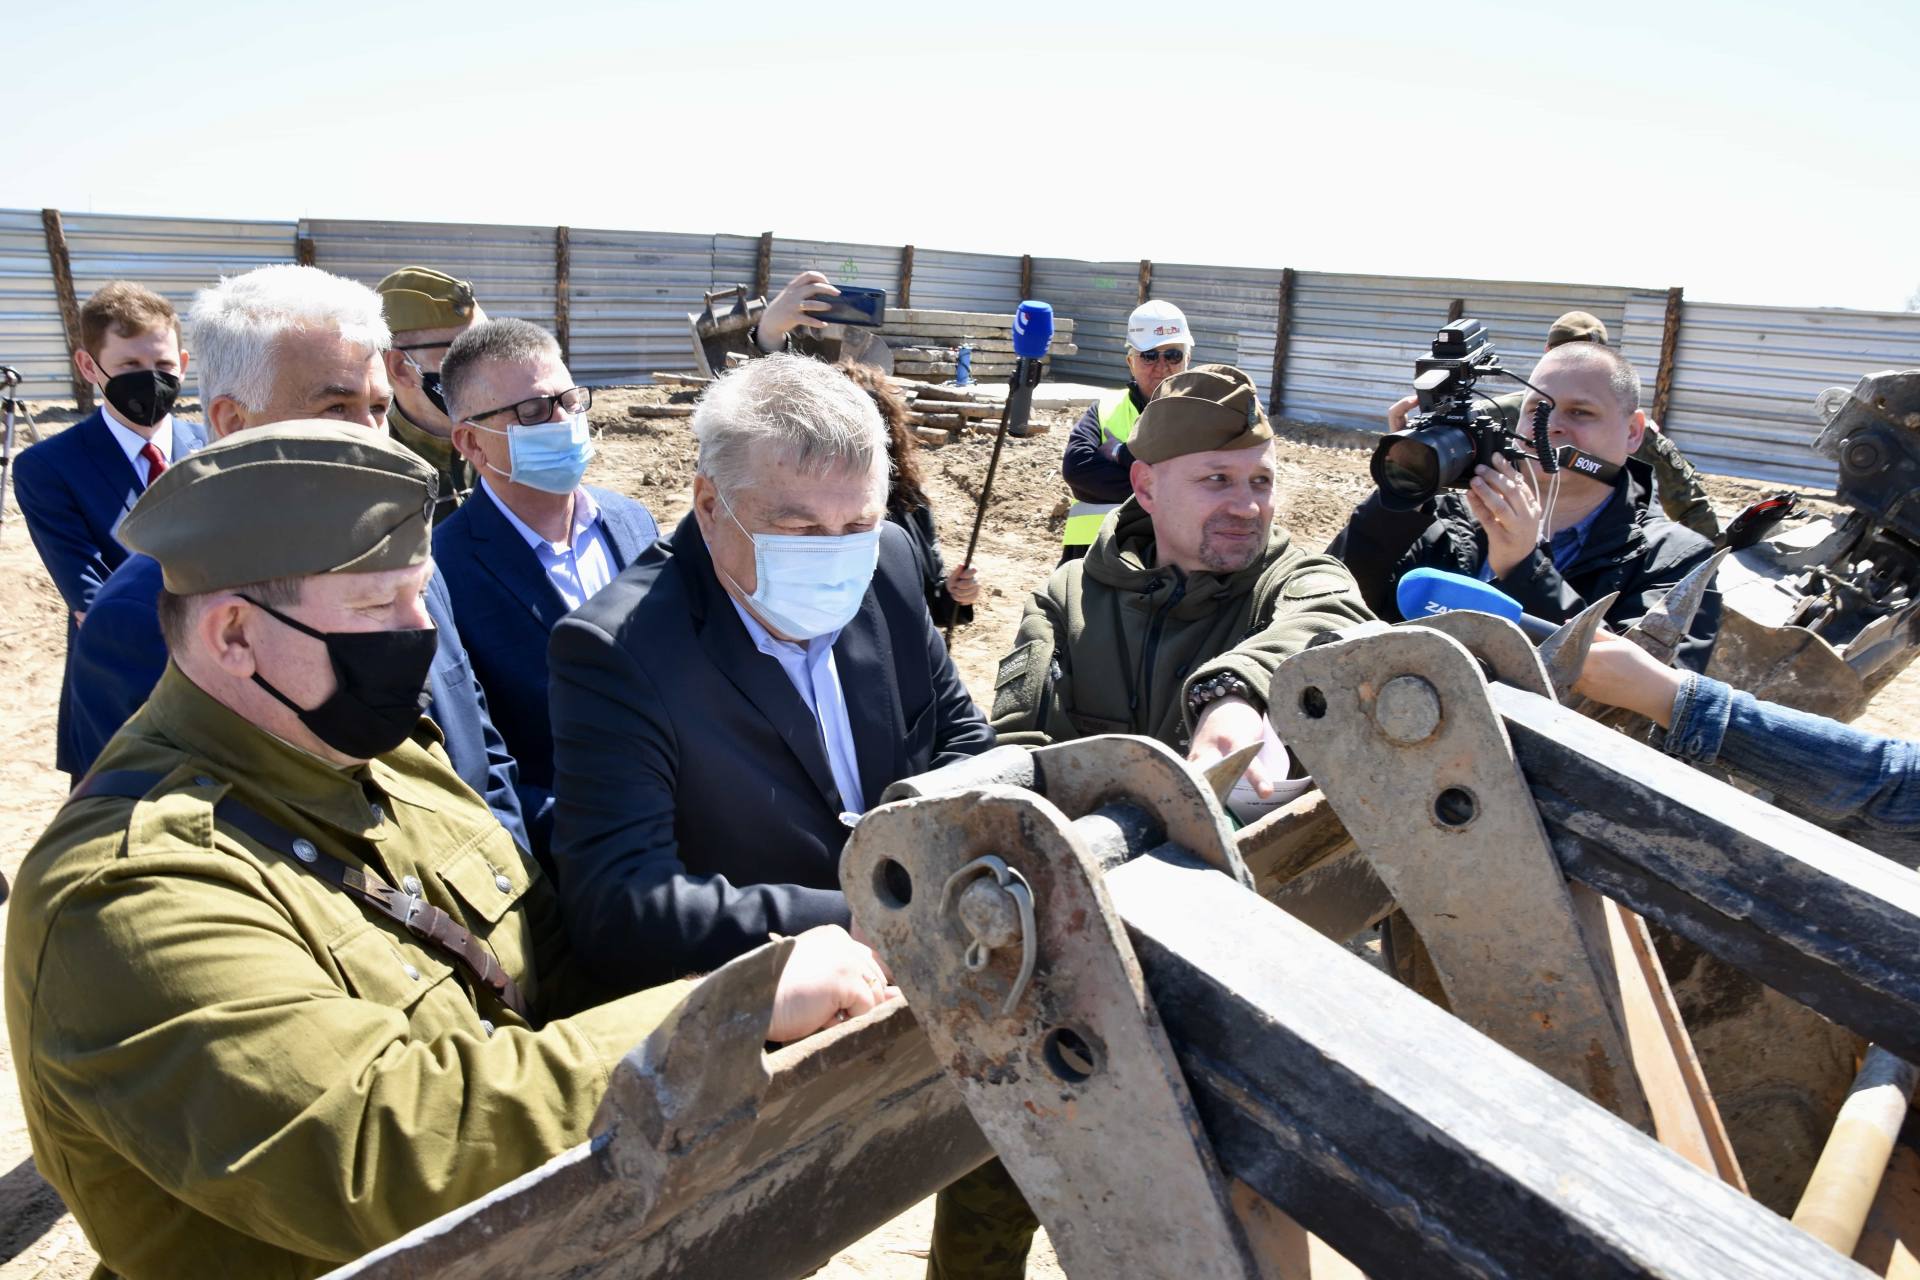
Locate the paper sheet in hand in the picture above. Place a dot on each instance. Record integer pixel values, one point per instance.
(1245, 804)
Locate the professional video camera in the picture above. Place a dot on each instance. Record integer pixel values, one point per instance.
(1449, 434)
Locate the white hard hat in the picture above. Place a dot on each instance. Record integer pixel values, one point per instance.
(1157, 324)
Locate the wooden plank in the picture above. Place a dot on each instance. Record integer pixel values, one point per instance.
(963, 409)
(990, 319)
(659, 411)
(1410, 1163)
(1283, 336)
(1817, 918)
(562, 290)
(671, 378)
(62, 263)
(1669, 348)
(1890, 1245)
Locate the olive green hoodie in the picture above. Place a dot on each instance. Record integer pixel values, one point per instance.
(1113, 641)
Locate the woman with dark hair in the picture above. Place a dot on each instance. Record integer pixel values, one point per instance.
(950, 596)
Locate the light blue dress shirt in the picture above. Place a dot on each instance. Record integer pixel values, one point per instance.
(810, 667)
(578, 568)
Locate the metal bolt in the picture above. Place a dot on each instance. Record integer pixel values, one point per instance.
(1407, 710)
(989, 913)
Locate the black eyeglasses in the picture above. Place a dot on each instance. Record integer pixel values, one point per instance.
(535, 410)
(422, 346)
(1165, 355)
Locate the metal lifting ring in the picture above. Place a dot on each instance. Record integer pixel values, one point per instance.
(1014, 886)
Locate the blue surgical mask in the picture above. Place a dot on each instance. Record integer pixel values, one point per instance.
(808, 586)
(551, 456)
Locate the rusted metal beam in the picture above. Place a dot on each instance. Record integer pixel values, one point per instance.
(563, 291)
(763, 266)
(905, 293)
(1282, 339)
(62, 263)
(1669, 348)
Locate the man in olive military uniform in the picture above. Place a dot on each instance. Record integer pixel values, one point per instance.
(1677, 483)
(427, 310)
(1189, 597)
(279, 986)
(1170, 626)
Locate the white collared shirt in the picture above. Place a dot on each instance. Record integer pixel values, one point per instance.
(579, 567)
(816, 677)
(132, 442)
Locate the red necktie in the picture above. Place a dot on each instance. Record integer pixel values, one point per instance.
(156, 464)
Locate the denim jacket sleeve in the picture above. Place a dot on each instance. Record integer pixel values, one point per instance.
(1811, 764)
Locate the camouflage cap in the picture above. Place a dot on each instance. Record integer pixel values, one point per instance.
(1199, 410)
(285, 501)
(422, 298)
(1576, 326)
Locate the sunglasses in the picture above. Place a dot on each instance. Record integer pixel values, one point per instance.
(1165, 355)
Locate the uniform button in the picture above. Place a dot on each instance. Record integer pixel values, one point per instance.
(379, 814)
(503, 884)
(304, 850)
(411, 971)
(412, 885)
(487, 1027)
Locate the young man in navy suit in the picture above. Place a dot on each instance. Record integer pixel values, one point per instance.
(532, 543)
(75, 487)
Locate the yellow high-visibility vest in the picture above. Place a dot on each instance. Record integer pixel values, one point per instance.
(1117, 419)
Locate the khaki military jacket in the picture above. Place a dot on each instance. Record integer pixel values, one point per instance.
(230, 1068)
(455, 472)
(1113, 642)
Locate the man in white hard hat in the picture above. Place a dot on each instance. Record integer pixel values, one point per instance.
(1097, 463)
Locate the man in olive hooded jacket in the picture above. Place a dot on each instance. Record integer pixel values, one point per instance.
(1189, 598)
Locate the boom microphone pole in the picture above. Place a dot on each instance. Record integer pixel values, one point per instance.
(1032, 335)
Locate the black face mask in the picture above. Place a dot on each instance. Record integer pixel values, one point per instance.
(429, 384)
(144, 396)
(381, 679)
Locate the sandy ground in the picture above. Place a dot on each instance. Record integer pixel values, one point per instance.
(1322, 476)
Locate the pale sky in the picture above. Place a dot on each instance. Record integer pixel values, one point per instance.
(1757, 152)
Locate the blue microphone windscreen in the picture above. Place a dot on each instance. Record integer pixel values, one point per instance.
(1032, 330)
(1428, 591)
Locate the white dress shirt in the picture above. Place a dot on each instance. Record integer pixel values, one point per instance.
(811, 669)
(132, 442)
(579, 567)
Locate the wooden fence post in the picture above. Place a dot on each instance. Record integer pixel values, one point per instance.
(69, 303)
(1146, 280)
(906, 276)
(1669, 344)
(1026, 276)
(304, 252)
(563, 291)
(763, 265)
(1282, 334)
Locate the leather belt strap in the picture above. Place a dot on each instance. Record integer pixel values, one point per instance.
(409, 910)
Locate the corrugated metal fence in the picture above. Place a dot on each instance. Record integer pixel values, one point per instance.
(1743, 378)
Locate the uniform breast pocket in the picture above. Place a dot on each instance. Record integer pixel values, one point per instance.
(489, 887)
(381, 968)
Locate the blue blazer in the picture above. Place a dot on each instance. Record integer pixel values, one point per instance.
(506, 607)
(120, 656)
(73, 489)
(697, 810)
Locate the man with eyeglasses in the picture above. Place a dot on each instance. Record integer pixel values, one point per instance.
(1098, 463)
(427, 310)
(532, 543)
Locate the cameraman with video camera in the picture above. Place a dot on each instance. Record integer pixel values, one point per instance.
(1460, 491)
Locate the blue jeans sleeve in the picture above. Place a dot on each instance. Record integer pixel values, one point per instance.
(1809, 762)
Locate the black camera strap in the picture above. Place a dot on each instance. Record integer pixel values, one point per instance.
(1582, 463)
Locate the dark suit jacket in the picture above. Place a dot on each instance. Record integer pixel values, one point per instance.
(696, 811)
(121, 655)
(73, 489)
(506, 607)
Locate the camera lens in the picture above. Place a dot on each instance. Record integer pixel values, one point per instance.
(1411, 466)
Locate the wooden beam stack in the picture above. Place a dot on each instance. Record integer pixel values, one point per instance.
(926, 344)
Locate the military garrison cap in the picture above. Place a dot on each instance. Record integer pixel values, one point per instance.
(1199, 410)
(1576, 326)
(285, 501)
(422, 298)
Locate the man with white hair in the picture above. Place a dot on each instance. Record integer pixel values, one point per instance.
(278, 344)
(1097, 465)
(741, 693)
